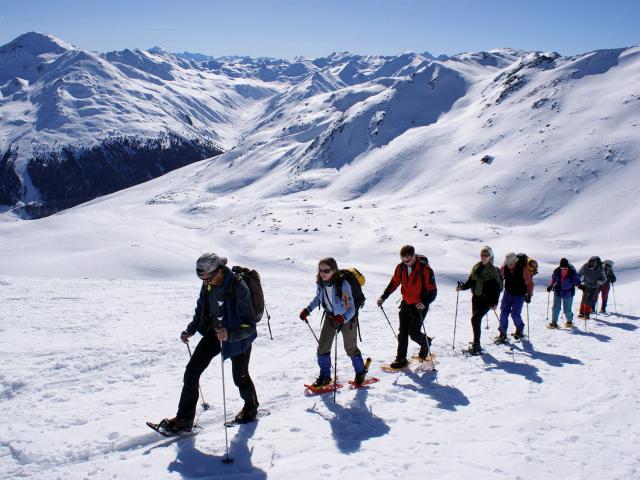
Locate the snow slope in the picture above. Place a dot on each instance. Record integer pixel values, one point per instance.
(92, 299)
(87, 363)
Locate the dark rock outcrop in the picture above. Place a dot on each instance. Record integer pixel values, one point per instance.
(70, 175)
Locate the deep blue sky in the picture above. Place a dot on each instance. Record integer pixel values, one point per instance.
(287, 28)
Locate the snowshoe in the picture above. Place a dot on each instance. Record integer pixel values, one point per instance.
(321, 381)
(366, 382)
(500, 339)
(396, 366)
(172, 426)
(313, 390)
(518, 335)
(473, 350)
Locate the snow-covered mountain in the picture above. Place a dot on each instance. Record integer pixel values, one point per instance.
(516, 136)
(75, 124)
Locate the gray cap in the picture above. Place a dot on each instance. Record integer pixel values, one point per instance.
(488, 250)
(208, 262)
(510, 259)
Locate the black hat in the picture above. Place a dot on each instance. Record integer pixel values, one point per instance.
(564, 263)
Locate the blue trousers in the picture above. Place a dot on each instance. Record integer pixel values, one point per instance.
(511, 305)
(566, 303)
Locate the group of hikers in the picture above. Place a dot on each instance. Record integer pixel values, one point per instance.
(228, 308)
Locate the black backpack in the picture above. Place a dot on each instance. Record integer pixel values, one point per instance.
(356, 280)
(530, 263)
(428, 294)
(252, 279)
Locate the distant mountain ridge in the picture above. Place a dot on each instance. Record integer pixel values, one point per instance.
(75, 125)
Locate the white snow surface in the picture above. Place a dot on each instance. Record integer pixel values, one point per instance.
(92, 299)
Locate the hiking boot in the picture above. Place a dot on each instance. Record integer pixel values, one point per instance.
(399, 363)
(474, 349)
(500, 339)
(424, 352)
(518, 335)
(176, 425)
(360, 377)
(568, 324)
(247, 414)
(321, 381)
(603, 310)
(552, 325)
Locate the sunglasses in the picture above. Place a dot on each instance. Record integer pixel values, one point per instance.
(206, 276)
(484, 255)
(324, 270)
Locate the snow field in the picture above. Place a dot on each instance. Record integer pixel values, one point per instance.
(86, 361)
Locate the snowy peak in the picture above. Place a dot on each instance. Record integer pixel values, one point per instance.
(35, 44)
(27, 56)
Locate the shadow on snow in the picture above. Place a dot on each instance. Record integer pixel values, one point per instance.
(353, 424)
(193, 463)
(553, 359)
(630, 327)
(447, 397)
(524, 369)
(597, 336)
(622, 315)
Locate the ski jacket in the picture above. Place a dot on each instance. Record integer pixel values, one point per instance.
(419, 286)
(486, 283)
(565, 287)
(327, 296)
(517, 280)
(216, 305)
(592, 276)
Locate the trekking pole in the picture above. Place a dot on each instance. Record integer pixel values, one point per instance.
(205, 405)
(385, 316)
(335, 365)
(426, 339)
(268, 321)
(314, 333)
(615, 305)
(455, 321)
(226, 459)
(528, 331)
(487, 327)
(548, 297)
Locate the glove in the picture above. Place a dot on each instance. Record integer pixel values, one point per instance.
(339, 319)
(304, 313)
(581, 286)
(549, 288)
(527, 298)
(184, 336)
(380, 301)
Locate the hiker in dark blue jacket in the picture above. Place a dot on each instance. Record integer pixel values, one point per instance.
(225, 319)
(564, 280)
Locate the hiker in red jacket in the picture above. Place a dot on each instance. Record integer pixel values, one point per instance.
(418, 288)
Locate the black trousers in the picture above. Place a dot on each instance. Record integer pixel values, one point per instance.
(479, 308)
(410, 326)
(207, 348)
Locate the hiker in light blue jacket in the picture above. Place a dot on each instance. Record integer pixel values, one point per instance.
(333, 293)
